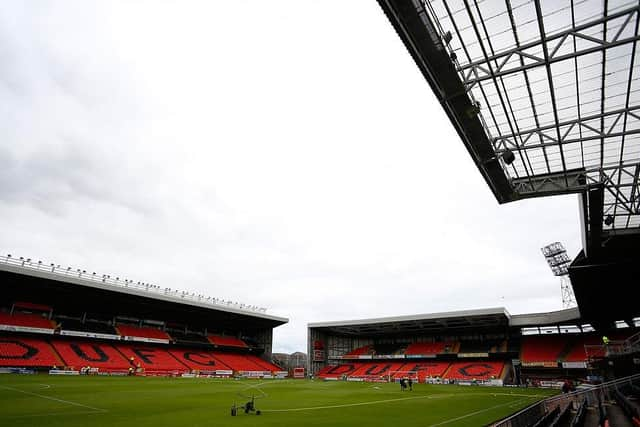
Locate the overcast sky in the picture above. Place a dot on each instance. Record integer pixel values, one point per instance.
(287, 154)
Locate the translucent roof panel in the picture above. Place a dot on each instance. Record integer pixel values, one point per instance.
(558, 84)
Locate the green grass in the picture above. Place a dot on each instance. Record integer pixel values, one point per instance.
(43, 400)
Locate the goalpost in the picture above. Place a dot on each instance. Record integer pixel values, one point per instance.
(397, 375)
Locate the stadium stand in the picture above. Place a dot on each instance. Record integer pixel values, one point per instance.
(226, 341)
(142, 332)
(488, 346)
(116, 357)
(376, 369)
(240, 362)
(360, 351)
(26, 320)
(478, 370)
(576, 351)
(267, 366)
(426, 369)
(76, 354)
(388, 349)
(382, 368)
(188, 338)
(32, 307)
(196, 359)
(336, 371)
(542, 350)
(428, 349)
(98, 327)
(151, 358)
(27, 352)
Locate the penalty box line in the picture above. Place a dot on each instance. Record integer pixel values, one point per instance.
(42, 396)
(348, 405)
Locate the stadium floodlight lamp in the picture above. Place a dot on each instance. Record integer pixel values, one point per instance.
(447, 37)
(508, 157)
(559, 261)
(608, 220)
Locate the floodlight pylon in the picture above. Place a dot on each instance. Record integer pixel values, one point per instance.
(558, 260)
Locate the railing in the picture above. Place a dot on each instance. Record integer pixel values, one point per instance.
(29, 264)
(592, 396)
(617, 347)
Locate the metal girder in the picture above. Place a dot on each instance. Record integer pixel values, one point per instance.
(468, 49)
(504, 142)
(483, 69)
(551, 184)
(579, 180)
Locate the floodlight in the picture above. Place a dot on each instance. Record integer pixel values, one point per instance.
(559, 261)
(508, 157)
(446, 38)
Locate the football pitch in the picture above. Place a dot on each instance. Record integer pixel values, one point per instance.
(43, 400)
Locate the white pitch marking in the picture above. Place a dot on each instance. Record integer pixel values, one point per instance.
(51, 414)
(347, 405)
(68, 402)
(471, 414)
(45, 386)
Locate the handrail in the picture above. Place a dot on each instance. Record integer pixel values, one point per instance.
(626, 346)
(29, 264)
(532, 413)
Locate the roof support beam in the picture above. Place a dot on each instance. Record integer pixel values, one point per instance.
(565, 128)
(480, 70)
(551, 184)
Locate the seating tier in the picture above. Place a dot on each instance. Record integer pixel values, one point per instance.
(225, 341)
(240, 362)
(542, 348)
(426, 348)
(150, 358)
(95, 354)
(28, 320)
(479, 370)
(27, 352)
(199, 360)
(143, 332)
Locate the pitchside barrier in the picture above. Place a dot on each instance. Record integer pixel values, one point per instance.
(591, 396)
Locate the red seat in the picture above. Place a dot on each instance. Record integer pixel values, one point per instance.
(89, 353)
(225, 341)
(151, 358)
(24, 352)
(424, 369)
(479, 370)
(200, 360)
(28, 320)
(360, 351)
(239, 362)
(337, 371)
(423, 348)
(267, 366)
(144, 332)
(542, 349)
(376, 369)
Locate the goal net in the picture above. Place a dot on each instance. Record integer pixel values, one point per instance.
(394, 376)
